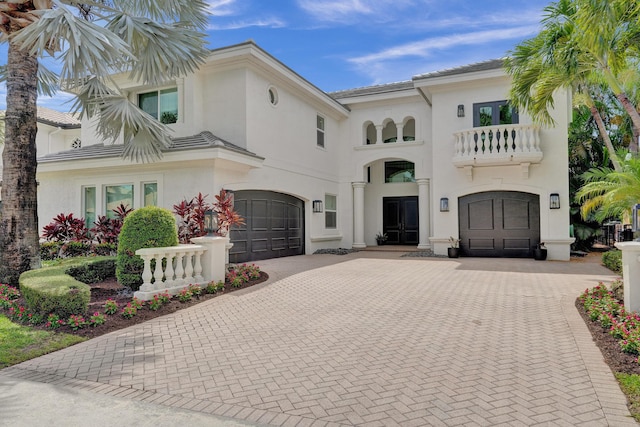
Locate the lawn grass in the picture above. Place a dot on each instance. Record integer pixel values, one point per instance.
(19, 343)
(630, 385)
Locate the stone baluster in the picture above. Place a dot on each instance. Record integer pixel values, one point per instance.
(146, 273)
(197, 269)
(179, 269)
(158, 273)
(188, 269)
(169, 272)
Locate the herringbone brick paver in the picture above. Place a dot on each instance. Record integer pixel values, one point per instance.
(368, 341)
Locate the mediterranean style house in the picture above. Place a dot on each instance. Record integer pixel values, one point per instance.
(441, 155)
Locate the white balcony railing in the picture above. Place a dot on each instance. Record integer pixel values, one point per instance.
(497, 145)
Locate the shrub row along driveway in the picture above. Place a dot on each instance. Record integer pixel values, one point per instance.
(363, 339)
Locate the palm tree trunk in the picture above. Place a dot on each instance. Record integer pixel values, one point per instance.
(635, 118)
(19, 250)
(605, 136)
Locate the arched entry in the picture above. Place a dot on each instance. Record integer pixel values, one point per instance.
(274, 226)
(499, 224)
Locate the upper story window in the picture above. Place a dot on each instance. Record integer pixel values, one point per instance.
(320, 131)
(494, 113)
(160, 104)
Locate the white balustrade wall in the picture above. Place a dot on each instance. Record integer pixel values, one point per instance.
(177, 267)
(496, 142)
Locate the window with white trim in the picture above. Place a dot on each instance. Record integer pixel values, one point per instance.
(116, 195)
(89, 202)
(320, 130)
(160, 104)
(330, 211)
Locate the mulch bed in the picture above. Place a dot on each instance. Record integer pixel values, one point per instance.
(111, 289)
(617, 360)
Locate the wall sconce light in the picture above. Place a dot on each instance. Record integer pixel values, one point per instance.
(444, 204)
(317, 206)
(554, 201)
(461, 110)
(210, 222)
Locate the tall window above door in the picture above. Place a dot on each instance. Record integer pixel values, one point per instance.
(494, 113)
(160, 104)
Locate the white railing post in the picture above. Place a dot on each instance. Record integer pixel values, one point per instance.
(146, 273)
(213, 260)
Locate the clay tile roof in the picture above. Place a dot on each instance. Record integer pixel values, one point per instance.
(491, 64)
(57, 118)
(194, 142)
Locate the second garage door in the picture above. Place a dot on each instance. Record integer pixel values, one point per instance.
(499, 224)
(274, 226)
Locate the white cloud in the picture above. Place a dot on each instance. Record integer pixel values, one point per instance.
(221, 7)
(235, 25)
(346, 11)
(427, 47)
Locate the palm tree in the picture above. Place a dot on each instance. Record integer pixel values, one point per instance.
(153, 40)
(572, 53)
(610, 194)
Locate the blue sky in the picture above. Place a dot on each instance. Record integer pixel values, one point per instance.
(345, 44)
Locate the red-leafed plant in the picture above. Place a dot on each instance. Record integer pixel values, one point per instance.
(66, 228)
(191, 217)
(107, 230)
(227, 215)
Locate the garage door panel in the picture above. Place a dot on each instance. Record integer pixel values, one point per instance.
(274, 226)
(524, 244)
(482, 244)
(481, 215)
(278, 215)
(516, 215)
(499, 223)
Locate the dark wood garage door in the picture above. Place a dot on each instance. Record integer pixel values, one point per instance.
(274, 226)
(499, 224)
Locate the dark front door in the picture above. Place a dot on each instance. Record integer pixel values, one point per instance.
(274, 226)
(400, 220)
(499, 224)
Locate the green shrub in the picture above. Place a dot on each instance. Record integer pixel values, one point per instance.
(148, 227)
(75, 249)
(613, 260)
(105, 249)
(50, 250)
(94, 271)
(48, 290)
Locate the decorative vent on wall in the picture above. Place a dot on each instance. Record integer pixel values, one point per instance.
(76, 143)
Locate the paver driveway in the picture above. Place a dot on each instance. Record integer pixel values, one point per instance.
(367, 340)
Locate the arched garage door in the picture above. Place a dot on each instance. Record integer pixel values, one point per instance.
(274, 226)
(499, 224)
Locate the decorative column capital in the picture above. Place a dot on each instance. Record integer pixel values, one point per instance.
(358, 184)
(422, 181)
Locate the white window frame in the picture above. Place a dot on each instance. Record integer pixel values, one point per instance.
(328, 211)
(321, 130)
(157, 92)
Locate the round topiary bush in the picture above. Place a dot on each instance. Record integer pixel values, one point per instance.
(148, 227)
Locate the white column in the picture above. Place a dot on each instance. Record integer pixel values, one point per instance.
(358, 215)
(423, 213)
(631, 274)
(379, 134)
(400, 132)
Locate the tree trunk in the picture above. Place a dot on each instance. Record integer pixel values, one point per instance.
(605, 136)
(635, 118)
(19, 240)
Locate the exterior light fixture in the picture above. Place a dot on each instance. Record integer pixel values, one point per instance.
(461, 110)
(554, 201)
(444, 204)
(317, 206)
(210, 222)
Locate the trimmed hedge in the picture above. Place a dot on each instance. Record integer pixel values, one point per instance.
(50, 290)
(613, 260)
(93, 272)
(148, 227)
